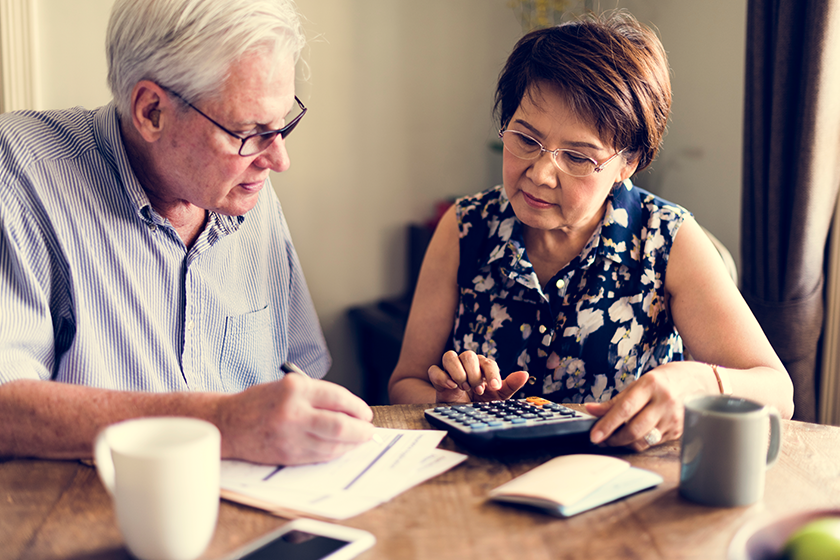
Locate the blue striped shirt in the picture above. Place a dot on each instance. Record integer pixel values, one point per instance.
(96, 288)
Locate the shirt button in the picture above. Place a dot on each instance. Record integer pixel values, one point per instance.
(531, 380)
(542, 329)
(560, 284)
(190, 325)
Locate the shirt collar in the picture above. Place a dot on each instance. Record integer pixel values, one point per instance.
(615, 239)
(110, 144)
(620, 229)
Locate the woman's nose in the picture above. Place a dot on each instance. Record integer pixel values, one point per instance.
(543, 170)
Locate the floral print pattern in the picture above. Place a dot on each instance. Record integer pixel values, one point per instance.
(601, 322)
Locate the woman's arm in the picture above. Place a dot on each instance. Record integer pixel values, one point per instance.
(718, 328)
(424, 373)
(431, 318)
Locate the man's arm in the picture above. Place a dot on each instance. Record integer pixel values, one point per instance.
(295, 420)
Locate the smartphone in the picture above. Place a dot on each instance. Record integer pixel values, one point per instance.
(307, 539)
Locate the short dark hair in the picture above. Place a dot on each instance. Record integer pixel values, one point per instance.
(611, 69)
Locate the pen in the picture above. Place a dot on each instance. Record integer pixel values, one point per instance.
(289, 367)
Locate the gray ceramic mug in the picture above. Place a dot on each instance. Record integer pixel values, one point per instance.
(725, 450)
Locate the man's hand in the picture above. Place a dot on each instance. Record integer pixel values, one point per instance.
(293, 421)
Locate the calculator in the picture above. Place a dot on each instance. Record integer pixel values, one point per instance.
(512, 424)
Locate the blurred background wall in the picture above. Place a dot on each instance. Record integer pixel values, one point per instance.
(400, 95)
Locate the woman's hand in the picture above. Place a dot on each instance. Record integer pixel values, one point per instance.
(652, 403)
(472, 377)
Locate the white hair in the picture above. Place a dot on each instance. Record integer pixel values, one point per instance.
(190, 45)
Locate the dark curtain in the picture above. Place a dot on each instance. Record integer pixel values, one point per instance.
(791, 177)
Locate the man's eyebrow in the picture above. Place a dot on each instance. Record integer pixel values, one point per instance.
(265, 127)
(572, 143)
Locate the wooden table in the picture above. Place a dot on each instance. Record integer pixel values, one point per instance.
(59, 509)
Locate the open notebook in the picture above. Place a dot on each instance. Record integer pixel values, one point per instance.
(570, 484)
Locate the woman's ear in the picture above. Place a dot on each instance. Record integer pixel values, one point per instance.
(626, 170)
(147, 101)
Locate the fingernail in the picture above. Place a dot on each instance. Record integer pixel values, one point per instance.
(596, 436)
(495, 384)
(465, 387)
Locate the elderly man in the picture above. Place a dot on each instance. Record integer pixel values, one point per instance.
(146, 267)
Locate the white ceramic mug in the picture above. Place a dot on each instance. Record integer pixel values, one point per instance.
(728, 444)
(163, 474)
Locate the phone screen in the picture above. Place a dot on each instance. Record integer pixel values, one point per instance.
(297, 545)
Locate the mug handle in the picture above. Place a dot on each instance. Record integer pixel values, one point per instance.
(104, 461)
(775, 436)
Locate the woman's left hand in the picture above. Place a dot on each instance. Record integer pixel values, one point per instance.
(651, 407)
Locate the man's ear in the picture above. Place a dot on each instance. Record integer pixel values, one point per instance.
(149, 108)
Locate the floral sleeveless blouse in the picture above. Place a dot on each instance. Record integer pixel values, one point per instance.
(602, 320)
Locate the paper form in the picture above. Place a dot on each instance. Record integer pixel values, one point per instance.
(373, 473)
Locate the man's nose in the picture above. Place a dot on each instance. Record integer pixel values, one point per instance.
(275, 157)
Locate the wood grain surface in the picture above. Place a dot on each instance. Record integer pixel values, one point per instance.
(60, 510)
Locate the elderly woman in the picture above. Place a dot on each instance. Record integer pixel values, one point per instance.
(576, 284)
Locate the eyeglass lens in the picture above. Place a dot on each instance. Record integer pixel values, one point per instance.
(523, 146)
(259, 142)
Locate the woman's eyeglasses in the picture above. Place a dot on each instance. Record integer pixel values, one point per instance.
(570, 162)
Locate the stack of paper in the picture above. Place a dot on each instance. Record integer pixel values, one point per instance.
(373, 473)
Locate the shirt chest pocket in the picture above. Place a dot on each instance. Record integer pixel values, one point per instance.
(249, 353)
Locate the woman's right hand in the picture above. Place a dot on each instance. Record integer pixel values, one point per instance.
(470, 377)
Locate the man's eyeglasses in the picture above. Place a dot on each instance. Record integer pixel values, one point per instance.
(570, 162)
(253, 143)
